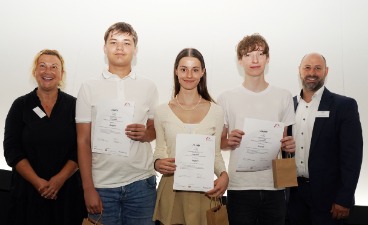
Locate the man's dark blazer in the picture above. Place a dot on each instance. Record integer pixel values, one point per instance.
(336, 152)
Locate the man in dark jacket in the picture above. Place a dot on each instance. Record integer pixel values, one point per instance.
(329, 149)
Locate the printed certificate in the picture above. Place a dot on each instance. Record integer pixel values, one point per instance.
(109, 130)
(194, 159)
(260, 144)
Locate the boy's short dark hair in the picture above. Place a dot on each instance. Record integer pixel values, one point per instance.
(122, 27)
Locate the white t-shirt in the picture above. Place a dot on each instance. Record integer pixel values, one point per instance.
(272, 104)
(109, 171)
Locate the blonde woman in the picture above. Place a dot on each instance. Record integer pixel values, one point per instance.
(41, 147)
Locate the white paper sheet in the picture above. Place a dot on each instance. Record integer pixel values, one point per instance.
(109, 130)
(194, 159)
(260, 144)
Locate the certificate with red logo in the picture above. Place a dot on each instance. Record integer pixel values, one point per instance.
(260, 144)
(194, 159)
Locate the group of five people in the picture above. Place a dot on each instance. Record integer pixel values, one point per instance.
(50, 134)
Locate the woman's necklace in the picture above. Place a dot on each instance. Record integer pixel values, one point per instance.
(177, 101)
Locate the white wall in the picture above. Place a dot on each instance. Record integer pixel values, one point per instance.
(336, 28)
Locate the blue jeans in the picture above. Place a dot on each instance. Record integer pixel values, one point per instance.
(132, 204)
(250, 207)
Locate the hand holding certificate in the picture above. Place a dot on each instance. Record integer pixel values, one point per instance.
(195, 156)
(260, 144)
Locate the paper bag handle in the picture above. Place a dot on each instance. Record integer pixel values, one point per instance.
(218, 201)
(95, 222)
(288, 154)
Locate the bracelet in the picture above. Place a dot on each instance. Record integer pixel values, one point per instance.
(154, 164)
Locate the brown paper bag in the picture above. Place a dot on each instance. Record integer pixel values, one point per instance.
(284, 172)
(89, 221)
(217, 215)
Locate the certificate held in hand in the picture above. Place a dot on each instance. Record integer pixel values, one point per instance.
(260, 144)
(194, 159)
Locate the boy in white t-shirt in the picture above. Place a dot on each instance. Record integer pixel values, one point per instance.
(251, 196)
(116, 164)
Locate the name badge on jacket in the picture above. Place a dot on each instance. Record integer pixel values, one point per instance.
(325, 114)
